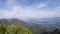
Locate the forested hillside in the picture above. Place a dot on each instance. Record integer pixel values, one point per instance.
(16, 26)
(13, 29)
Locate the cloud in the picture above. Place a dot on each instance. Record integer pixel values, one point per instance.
(41, 4)
(27, 12)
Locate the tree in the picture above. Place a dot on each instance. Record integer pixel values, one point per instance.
(22, 30)
(11, 30)
(17, 29)
(2, 28)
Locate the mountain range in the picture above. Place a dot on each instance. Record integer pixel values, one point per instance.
(35, 25)
(49, 21)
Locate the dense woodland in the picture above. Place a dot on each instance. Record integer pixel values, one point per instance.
(13, 29)
(15, 26)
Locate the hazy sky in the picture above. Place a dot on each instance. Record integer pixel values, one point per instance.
(25, 9)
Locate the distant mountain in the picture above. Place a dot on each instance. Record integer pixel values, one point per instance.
(35, 25)
(50, 23)
(13, 21)
(45, 20)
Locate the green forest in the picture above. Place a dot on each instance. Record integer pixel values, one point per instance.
(15, 26)
(19, 29)
(14, 29)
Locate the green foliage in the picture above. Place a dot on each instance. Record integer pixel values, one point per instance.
(2, 28)
(22, 30)
(11, 30)
(14, 29)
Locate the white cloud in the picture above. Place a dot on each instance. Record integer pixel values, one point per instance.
(42, 5)
(24, 13)
(28, 12)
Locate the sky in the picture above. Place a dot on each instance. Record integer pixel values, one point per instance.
(26, 9)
